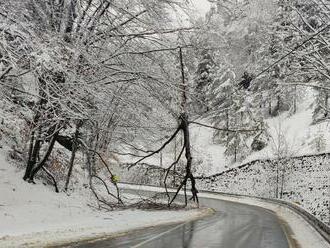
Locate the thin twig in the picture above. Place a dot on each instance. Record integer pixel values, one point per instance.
(107, 167)
(292, 51)
(158, 150)
(225, 129)
(52, 177)
(107, 188)
(5, 72)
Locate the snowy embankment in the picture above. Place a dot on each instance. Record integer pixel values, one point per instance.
(290, 135)
(34, 215)
(298, 231)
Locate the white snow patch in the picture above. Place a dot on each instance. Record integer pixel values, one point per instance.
(212, 155)
(290, 136)
(34, 215)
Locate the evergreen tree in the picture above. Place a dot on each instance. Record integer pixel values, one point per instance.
(203, 80)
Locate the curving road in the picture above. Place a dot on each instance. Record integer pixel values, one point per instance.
(234, 225)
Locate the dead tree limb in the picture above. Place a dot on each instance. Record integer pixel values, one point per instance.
(135, 148)
(186, 136)
(98, 198)
(158, 150)
(111, 174)
(224, 129)
(91, 186)
(40, 164)
(73, 154)
(168, 170)
(185, 195)
(107, 188)
(178, 190)
(108, 169)
(52, 177)
(3, 75)
(126, 154)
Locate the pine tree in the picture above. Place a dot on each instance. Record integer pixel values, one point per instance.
(203, 80)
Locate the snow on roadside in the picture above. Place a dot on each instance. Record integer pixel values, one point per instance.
(34, 215)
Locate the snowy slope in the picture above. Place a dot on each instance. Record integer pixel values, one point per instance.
(290, 135)
(211, 155)
(35, 214)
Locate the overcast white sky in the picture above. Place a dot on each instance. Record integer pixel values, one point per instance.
(201, 5)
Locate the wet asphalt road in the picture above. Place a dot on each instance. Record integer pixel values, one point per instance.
(233, 225)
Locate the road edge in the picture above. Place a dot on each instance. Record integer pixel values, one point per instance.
(55, 239)
(294, 224)
(202, 213)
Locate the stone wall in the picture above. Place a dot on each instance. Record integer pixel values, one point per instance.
(146, 174)
(304, 180)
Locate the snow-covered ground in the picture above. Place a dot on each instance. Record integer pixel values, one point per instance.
(290, 136)
(34, 215)
(211, 154)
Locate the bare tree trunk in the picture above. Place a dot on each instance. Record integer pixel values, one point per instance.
(31, 145)
(184, 127)
(295, 100)
(227, 127)
(175, 147)
(282, 184)
(32, 160)
(35, 144)
(45, 158)
(29, 165)
(73, 154)
(175, 155)
(84, 14)
(236, 143)
(277, 180)
(278, 106)
(235, 154)
(186, 135)
(71, 16)
(269, 105)
(326, 100)
(186, 139)
(52, 177)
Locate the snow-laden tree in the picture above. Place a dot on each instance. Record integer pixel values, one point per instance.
(101, 72)
(202, 81)
(231, 50)
(299, 30)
